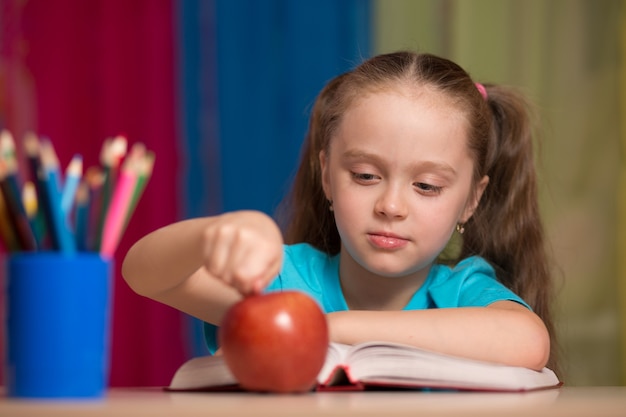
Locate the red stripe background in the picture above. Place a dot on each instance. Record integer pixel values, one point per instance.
(88, 70)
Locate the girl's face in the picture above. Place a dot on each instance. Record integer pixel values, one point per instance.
(400, 177)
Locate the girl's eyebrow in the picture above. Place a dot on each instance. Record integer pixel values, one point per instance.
(361, 155)
(438, 166)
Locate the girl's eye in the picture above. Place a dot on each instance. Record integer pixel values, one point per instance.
(364, 177)
(428, 188)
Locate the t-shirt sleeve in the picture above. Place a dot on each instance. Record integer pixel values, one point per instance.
(472, 283)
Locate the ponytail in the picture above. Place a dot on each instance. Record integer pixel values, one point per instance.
(506, 228)
(306, 213)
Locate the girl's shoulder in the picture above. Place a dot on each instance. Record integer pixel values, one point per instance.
(471, 282)
(305, 260)
(304, 251)
(466, 267)
(471, 265)
(312, 271)
(302, 258)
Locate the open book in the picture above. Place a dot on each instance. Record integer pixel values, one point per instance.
(382, 365)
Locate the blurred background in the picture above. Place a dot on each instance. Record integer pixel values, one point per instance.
(221, 91)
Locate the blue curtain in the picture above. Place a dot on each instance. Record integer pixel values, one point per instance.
(200, 181)
(249, 73)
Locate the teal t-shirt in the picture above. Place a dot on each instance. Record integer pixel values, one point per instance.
(471, 283)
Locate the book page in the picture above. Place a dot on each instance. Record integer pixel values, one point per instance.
(394, 364)
(202, 372)
(336, 357)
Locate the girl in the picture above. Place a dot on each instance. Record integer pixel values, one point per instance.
(402, 153)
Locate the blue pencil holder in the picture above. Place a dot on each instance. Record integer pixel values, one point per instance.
(58, 325)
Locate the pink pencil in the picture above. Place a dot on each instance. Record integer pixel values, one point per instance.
(119, 206)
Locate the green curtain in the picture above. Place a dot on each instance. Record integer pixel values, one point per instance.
(622, 197)
(566, 55)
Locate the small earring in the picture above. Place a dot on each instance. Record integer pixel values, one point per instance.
(330, 205)
(460, 228)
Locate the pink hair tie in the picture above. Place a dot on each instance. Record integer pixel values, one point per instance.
(482, 90)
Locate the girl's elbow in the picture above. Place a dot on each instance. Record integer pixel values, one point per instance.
(130, 274)
(543, 354)
(537, 345)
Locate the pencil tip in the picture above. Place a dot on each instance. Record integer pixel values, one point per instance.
(6, 140)
(31, 144)
(5, 134)
(75, 166)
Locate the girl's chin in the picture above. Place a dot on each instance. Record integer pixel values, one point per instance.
(391, 271)
(393, 268)
(390, 264)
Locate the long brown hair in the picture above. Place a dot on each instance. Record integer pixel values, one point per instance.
(505, 229)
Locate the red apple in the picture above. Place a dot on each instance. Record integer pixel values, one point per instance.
(275, 342)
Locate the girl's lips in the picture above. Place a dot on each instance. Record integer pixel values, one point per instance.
(386, 241)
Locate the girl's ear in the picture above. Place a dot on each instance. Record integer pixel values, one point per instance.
(472, 203)
(324, 171)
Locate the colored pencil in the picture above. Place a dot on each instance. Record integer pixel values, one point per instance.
(6, 228)
(7, 146)
(50, 240)
(29, 199)
(31, 206)
(10, 189)
(31, 148)
(8, 155)
(94, 177)
(63, 239)
(113, 151)
(99, 210)
(15, 210)
(73, 175)
(81, 218)
(120, 203)
(144, 172)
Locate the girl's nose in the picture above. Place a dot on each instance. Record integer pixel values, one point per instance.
(392, 203)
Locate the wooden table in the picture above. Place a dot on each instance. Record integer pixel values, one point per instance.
(566, 402)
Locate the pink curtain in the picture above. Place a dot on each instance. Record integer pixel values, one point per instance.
(80, 71)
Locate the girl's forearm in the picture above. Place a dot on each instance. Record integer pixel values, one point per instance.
(166, 257)
(167, 266)
(504, 332)
(202, 266)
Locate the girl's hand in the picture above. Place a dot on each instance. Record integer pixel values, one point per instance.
(243, 249)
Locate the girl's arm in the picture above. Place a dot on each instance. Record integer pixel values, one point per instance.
(202, 266)
(504, 332)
